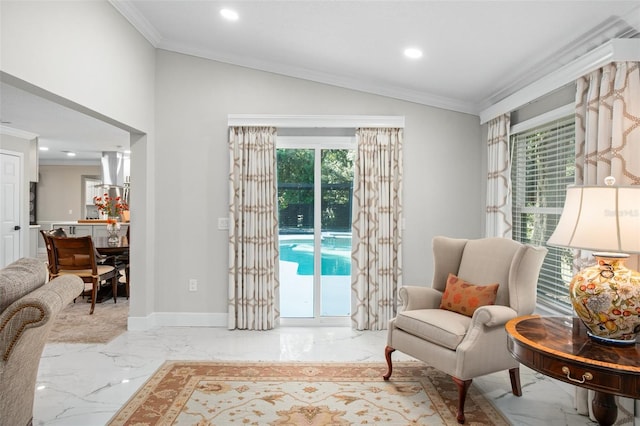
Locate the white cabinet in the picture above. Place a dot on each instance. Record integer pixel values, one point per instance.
(74, 229)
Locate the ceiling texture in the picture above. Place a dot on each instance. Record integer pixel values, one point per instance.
(475, 53)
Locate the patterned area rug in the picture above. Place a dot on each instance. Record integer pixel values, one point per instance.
(235, 393)
(74, 324)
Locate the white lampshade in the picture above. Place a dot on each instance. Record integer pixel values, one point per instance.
(600, 218)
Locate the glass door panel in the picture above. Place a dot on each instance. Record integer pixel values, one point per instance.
(336, 198)
(296, 219)
(314, 207)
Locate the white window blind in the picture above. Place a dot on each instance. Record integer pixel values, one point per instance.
(543, 165)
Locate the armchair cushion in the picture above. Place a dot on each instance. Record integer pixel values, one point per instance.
(442, 327)
(464, 298)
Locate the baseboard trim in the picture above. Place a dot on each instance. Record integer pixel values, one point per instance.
(176, 319)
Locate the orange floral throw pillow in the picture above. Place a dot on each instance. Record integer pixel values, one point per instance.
(464, 298)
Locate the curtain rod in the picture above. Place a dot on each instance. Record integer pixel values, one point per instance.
(326, 121)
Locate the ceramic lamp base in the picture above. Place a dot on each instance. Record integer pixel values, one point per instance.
(606, 297)
(611, 342)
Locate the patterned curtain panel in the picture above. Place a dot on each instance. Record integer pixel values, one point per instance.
(376, 262)
(498, 219)
(608, 144)
(253, 231)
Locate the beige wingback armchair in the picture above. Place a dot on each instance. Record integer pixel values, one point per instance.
(465, 346)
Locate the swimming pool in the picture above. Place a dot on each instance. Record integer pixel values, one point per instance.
(336, 254)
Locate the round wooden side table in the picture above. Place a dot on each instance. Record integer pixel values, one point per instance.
(559, 347)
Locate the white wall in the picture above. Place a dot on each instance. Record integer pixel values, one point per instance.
(85, 52)
(442, 184)
(87, 56)
(60, 191)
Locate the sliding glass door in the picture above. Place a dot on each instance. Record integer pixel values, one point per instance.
(315, 180)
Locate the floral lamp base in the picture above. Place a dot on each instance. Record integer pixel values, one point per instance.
(606, 297)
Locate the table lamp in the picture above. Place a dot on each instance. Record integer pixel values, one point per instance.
(605, 296)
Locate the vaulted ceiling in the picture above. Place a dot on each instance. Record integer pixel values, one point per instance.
(475, 53)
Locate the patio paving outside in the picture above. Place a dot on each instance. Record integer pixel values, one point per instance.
(296, 291)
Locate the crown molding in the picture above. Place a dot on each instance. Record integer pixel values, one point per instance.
(614, 50)
(610, 29)
(23, 134)
(523, 86)
(139, 22)
(148, 31)
(346, 82)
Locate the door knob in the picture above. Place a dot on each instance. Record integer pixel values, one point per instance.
(16, 228)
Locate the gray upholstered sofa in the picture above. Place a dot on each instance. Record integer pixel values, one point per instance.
(28, 306)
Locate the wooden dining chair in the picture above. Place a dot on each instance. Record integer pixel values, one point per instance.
(77, 256)
(59, 232)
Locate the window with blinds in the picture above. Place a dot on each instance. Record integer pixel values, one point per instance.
(543, 165)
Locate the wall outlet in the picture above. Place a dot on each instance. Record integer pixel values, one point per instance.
(223, 223)
(193, 284)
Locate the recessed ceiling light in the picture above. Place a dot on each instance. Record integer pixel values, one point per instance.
(228, 14)
(413, 53)
(71, 154)
(44, 148)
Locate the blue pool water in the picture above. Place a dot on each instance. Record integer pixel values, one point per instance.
(336, 255)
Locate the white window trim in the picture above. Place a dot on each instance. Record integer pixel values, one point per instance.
(322, 121)
(324, 142)
(542, 119)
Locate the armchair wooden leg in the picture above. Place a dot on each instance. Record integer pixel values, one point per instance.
(387, 355)
(514, 375)
(463, 387)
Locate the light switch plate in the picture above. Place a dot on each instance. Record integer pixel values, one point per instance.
(223, 223)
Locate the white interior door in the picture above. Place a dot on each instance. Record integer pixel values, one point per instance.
(10, 184)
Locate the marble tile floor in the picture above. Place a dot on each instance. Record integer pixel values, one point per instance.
(86, 384)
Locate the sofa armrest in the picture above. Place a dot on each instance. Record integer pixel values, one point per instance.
(416, 297)
(36, 309)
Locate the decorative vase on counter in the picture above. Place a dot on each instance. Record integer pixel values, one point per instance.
(112, 231)
(606, 297)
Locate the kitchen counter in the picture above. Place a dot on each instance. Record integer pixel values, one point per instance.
(92, 221)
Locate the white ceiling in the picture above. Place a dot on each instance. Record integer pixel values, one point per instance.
(58, 128)
(475, 52)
